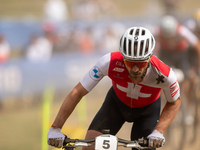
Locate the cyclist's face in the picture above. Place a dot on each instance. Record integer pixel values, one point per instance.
(136, 69)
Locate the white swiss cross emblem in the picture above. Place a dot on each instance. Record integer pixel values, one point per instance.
(133, 92)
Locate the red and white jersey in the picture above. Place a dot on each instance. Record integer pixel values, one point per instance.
(159, 76)
(180, 42)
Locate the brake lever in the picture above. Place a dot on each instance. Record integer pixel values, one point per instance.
(66, 140)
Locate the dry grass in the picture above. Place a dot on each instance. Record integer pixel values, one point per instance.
(20, 126)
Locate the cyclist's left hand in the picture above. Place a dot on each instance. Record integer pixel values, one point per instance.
(55, 137)
(156, 139)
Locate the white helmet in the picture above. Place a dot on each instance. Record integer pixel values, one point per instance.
(168, 26)
(137, 43)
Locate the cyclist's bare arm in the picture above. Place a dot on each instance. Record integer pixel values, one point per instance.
(168, 114)
(69, 104)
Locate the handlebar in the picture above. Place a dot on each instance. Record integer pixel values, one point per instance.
(106, 142)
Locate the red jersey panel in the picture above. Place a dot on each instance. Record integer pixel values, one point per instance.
(158, 76)
(133, 95)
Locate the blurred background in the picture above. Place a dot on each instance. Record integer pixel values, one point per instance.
(46, 47)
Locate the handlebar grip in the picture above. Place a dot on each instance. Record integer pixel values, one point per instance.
(144, 142)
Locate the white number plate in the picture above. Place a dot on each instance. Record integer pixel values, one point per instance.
(106, 142)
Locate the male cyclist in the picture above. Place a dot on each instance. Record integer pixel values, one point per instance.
(175, 46)
(173, 40)
(137, 79)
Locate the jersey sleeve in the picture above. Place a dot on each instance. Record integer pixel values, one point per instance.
(171, 89)
(96, 73)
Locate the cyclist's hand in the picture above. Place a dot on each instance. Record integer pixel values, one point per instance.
(55, 137)
(156, 139)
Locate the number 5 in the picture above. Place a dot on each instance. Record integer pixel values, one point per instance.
(106, 144)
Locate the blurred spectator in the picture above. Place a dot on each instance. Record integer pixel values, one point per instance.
(39, 50)
(4, 49)
(86, 10)
(56, 11)
(107, 8)
(110, 38)
(61, 39)
(50, 33)
(171, 6)
(194, 23)
(4, 55)
(72, 40)
(86, 42)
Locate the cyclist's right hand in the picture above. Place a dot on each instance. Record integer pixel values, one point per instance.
(55, 137)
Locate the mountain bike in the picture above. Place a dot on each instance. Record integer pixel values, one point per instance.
(106, 141)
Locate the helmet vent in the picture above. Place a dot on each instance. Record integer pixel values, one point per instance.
(124, 46)
(152, 41)
(141, 48)
(129, 47)
(146, 47)
(143, 32)
(135, 48)
(131, 32)
(137, 32)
